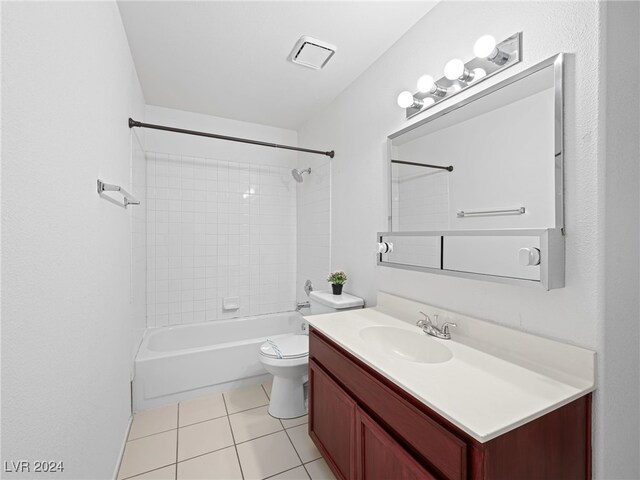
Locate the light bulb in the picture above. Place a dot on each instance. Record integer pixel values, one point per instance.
(427, 102)
(426, 83)
(407, 100)
(484, 46)
(455, 88)
(478, 73)
(454, 69)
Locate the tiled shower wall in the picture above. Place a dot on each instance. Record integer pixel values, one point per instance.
(420, 200)
(218, 230)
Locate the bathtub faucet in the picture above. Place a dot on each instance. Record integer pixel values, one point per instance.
(302, 305)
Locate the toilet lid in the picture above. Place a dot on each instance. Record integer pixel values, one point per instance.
(290, 346)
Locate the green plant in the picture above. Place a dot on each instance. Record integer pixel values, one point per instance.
(337, 278)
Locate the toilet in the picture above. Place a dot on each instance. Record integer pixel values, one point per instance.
(287, 357)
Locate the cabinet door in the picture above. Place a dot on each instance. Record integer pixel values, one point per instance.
(332, 422)
(380, 457)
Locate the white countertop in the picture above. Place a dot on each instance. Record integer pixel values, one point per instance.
(486, 389)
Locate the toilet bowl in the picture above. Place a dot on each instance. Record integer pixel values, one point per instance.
(287, 359)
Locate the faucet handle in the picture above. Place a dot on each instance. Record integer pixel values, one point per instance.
(445, 327)
(423, 321)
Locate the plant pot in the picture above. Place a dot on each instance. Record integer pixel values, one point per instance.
(337, 289)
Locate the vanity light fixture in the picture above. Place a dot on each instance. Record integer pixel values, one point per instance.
(491, 58)
(455, 69)
(478, 73)
(485, 47)
(407, 100)
(428, 101)
(426, 84)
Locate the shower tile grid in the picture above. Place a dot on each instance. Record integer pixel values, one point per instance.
(224, 436)
(218, 229)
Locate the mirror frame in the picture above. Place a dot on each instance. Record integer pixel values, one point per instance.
(552, 238)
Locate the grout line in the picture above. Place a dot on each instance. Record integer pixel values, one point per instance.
(261, 436)
(233, 437)
(240, 411)
(147, 471)
(150, 435)
(295, 450)
(203, 454)
(248, 409)
(304, 465)
(224, 401)
(265, 390)
(202, 421)
(306, 422)
(213, 418)
(284, 471)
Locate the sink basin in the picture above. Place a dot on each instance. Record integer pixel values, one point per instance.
(406, 345)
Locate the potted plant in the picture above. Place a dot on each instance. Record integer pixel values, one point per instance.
(337, 279)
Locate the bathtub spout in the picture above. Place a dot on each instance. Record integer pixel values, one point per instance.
(302, 305)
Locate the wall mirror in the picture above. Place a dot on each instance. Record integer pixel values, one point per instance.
(476, 189)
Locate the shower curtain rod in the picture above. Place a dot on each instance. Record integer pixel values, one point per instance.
(449, 168)
(134, 123)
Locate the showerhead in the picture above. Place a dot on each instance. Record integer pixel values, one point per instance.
(297, 174)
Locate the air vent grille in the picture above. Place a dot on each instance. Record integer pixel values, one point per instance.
(311, 52)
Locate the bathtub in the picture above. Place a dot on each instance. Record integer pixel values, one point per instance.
(187, 361)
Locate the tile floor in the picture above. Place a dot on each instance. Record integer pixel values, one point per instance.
(225, 436)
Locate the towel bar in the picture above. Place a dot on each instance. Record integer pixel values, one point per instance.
(128, 198)
(515, 211)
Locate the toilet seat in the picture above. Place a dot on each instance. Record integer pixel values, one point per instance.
(288, 347)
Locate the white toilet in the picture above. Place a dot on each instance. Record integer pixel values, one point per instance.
(287, 358)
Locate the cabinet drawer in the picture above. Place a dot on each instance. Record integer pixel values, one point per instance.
(443, 451)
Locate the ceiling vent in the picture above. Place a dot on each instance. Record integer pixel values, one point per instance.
(311, 52)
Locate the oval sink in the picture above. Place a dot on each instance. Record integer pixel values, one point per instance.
(406, 345)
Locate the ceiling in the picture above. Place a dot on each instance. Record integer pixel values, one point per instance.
(229, 58)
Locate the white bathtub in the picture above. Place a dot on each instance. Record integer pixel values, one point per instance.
(187, 361)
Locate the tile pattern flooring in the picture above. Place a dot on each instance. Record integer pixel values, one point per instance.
(224, 436)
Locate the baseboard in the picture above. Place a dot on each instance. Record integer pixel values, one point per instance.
(124, 444)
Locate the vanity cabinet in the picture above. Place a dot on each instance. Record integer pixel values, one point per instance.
(368, 428)
(333, 421)
(379, 456)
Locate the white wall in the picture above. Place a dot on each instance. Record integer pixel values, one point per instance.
(69, 312)
(194, 146)
(221, 220)
(357, 123)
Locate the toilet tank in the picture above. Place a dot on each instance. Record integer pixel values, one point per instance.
(324, 301)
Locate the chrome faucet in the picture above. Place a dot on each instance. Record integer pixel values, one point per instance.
(301, 305)
(431, 328)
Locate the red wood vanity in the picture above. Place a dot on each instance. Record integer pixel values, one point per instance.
(368, 428)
